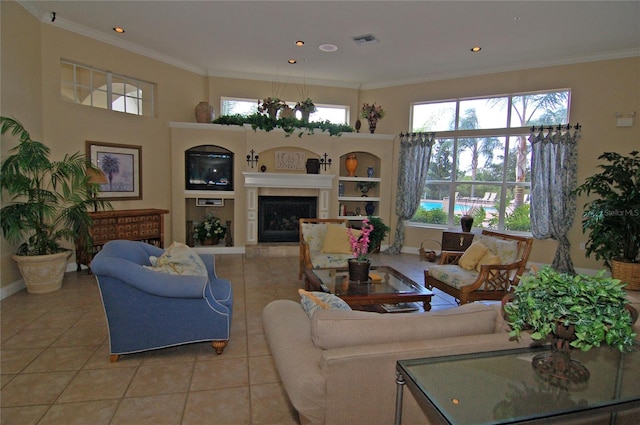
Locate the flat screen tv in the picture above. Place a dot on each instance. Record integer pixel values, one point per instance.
(208, 168)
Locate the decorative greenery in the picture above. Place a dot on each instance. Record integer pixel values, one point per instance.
(594, 304)
(306, 105)
(613, 220)
(289, 125)
(270, 105)
(365, 186)
(210, 228)
(360, 244)
(48, 199)
(371, 112)
(378, 233)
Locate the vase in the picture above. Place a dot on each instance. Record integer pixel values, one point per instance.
(370, 171)
(340, 189)
(313, 166)
(358, 125)
(466, 222)
(204, 112)
(287, 113)
(359, 270)
(369, 208)
(305, 115)
(351, 163)
(373, 122)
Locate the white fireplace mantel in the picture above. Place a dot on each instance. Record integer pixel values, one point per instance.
(253, 182)
(289, 181)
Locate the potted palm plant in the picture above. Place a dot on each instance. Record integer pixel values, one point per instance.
(47, 201)
(613, 219)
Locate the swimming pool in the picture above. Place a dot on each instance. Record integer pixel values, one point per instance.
(458, 209)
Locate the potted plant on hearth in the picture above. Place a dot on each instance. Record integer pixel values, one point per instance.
(576, 311)
(209, 231)
(613, 220)
(46, 202)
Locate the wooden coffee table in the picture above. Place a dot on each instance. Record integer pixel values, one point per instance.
(393, 288)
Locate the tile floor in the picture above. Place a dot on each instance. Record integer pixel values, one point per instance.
(55, 357)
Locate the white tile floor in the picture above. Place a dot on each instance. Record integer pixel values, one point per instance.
(55, 357)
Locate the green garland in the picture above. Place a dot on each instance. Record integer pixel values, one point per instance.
(289, 125)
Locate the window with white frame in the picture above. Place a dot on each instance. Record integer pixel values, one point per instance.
(103, 89)
(336, 114)
(481, 161)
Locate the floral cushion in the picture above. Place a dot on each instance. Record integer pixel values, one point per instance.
(507, 251)
(453, 275)
(313, 234)
(312, 301)
(178, 259)
(321, 260)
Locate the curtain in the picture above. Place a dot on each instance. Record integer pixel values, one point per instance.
(554, 163)
(415, 154)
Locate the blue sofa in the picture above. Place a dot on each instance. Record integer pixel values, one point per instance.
(148, 310)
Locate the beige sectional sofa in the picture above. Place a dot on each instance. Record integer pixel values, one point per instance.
(339, 367)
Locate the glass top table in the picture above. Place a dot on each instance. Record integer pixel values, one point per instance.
(392, 287)
(501, 387)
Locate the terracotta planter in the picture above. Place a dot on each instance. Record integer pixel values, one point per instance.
(210, 241)
(43, 273)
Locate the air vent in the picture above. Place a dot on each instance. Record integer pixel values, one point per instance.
(363, 40)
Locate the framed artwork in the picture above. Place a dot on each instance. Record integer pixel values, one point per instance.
(121, 165)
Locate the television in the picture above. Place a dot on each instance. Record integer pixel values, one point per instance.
(208, 168)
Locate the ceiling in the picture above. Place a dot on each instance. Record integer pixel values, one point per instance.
(417, 40)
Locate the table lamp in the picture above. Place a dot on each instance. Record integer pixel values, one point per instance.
(95, 176)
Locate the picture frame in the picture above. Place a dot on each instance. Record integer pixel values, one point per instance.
(121, 166)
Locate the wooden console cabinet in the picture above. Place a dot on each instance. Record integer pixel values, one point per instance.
(456, 241)
(146, 225)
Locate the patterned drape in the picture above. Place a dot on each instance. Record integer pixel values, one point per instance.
(554, 163)
(415, 154)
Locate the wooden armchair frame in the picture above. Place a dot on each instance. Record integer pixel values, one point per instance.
(494, 281)
(305, 255)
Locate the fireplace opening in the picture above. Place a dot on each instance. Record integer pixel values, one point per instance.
(278, 216)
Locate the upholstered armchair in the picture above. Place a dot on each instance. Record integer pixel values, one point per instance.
(314, 252)
(148, 309)
(487, 270)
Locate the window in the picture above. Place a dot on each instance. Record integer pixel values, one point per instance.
(102, 89)
(481, 161)
(337, 114)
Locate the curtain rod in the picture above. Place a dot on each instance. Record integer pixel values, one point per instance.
(558, 127)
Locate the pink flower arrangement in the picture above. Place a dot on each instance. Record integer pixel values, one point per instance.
(371, 112)
(360, 244)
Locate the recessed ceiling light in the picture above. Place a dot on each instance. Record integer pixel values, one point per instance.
(328, 47)
(119, 30)
(292, 61)
(476, 49)
(299, 43)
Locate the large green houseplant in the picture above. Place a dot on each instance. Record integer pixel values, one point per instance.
(578, 311)
(613, 219)
(44, 202)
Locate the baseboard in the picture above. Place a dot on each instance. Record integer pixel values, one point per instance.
(12, 288)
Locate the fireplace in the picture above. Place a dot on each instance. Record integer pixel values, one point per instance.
(278, 216)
